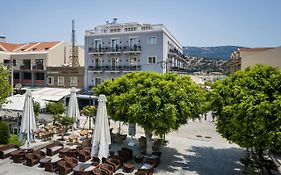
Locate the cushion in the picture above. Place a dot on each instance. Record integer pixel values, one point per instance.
(146, 166)
(90, 168)
(9, 150)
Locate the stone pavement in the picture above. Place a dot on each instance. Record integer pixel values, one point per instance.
(196, 148)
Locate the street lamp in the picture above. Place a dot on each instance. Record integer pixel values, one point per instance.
(12, 75)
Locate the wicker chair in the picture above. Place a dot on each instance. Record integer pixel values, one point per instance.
(106, 167)
(84, 155)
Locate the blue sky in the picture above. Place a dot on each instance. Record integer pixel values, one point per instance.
(252, 23)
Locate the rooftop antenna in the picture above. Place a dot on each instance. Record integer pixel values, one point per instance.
(73, 57)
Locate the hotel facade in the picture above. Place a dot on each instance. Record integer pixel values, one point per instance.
(114, 49)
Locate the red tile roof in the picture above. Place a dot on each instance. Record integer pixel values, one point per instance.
(38, 46)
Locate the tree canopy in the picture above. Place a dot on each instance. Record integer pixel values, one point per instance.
(248, 104)
(89, 111)
(159, 103)
(55, 109)
(5, 87)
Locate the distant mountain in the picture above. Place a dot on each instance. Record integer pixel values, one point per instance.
(219, 52)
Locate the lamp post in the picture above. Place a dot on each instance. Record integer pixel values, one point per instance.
(12, 76)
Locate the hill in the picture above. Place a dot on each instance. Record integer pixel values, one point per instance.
(219, 52)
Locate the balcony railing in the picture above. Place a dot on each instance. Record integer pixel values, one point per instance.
(25, 67)
(115, 68)
(129, 49)
(117, 49)
(175, 68)
(38, 67)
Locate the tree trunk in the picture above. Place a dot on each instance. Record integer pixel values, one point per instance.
(90, 123)
(148, 135)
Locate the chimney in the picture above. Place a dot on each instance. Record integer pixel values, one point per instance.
(114, 21)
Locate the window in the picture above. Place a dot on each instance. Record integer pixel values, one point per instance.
(40, 76)
(114, 62)
(97, 62)
(26, 64)
(97, 81)
(51, 80)
(73, 81)
(133, 42)
(151, 60)
(133, 61)
(27, 75)
(151, 40)
(114, 44)
(97, 45)
(16, 75)
(60, 81)
(38, 64)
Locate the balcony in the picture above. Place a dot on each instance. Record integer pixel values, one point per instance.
(113, 50)
(178, 69)
(132, 49)
(25, 67)
(114, 68)
(38, 67)
(96, 51)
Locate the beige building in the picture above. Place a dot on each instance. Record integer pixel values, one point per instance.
(245, 57)
(65, 77)
(32, 59)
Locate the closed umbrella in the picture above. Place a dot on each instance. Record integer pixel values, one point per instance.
(28, 124)
(101, 135)
(73, 109)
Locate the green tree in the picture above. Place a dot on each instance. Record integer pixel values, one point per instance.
(36, 108)
(4, 132)
(160, 103)
(56, 109)
(5, 87)
(90, 112)
(248, 104)
(66, 122)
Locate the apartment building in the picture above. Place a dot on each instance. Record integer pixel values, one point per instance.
(245, 57)
(115, 49)
(30, 60)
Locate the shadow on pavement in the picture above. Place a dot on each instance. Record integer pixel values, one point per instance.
(201, 160)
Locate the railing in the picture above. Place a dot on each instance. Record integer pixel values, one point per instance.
(103, 29)
(175, 68)
(135, 48)
(115, 68)
(117, 49)
(38, 67)
(25, 67)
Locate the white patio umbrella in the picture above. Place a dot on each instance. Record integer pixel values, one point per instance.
(28, 124)
(101, 135)
(73, 109)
